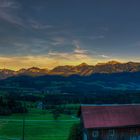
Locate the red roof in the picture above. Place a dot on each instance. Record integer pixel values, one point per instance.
(110, 116)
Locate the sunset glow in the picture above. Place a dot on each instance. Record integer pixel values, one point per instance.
(42, 35)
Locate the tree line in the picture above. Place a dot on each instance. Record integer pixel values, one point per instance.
(9, 106)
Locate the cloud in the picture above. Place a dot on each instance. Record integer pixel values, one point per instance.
(96, 37)
(9, 12)
(32, 46)
(39, 26)
(78, 49)
(8, 4)
(92, 37)
(37, 52)
(105, 29)
(18, 46)
(69, 58)
(59, 55)
(76, 55)
(11, 18)
(57, 41)
(104, 56)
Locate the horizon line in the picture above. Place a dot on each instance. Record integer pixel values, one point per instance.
(83, 63)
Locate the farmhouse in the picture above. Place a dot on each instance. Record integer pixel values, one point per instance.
(110, 122)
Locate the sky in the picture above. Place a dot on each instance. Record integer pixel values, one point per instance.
(47, 33)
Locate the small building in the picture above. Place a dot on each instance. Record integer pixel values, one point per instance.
(40, 105)
(110, 122)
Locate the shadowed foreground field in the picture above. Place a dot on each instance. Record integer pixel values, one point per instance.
(38, 126)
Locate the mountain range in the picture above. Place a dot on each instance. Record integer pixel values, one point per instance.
(82, 69)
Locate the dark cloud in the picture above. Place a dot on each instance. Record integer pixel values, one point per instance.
(58, 29)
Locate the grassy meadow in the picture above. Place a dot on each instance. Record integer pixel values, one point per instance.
(39, 125)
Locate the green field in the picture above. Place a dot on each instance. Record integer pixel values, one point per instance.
(39, 125)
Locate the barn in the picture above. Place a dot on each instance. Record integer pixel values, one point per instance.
(110, 122)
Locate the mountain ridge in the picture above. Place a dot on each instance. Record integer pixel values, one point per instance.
(83, 69)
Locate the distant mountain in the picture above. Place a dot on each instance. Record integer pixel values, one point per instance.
(116, 67)
(85, 69)
(62, 70)
(4, 73)
(82, 69)
(33, 71)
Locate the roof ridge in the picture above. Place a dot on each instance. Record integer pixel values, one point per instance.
(108, 104)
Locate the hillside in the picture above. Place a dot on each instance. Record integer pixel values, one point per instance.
(76, 83)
